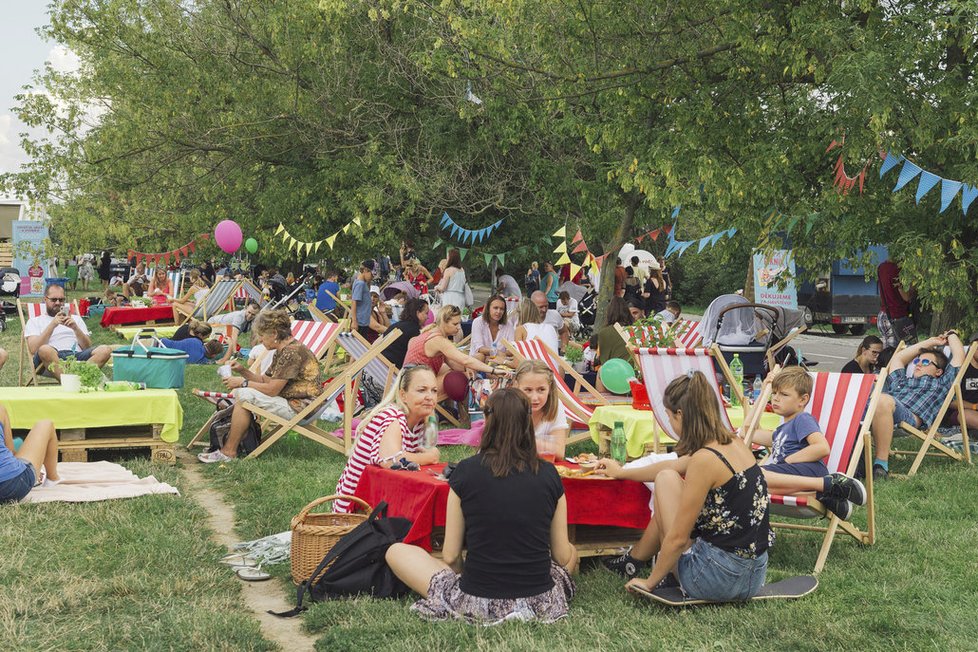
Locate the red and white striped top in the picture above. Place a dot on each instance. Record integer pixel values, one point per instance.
(367, 449)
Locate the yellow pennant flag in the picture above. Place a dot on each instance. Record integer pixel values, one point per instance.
(346, 228)
(563, 260)
(331, 239)
(574, 269)
(561, 232)
(308, 248)
(279, 229)
(356, 220)
(562, 247)
(285, 236)
(318, 244)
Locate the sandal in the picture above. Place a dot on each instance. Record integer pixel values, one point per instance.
(252, 574)
(239, 560)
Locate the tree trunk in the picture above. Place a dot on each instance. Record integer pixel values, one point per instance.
(607, 288)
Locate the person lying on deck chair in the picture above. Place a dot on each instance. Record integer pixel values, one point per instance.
(290, 384)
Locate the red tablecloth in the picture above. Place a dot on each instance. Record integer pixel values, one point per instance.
(419, 496)
(120, 316)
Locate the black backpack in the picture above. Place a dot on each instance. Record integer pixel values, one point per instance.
(221, 426)
(356, 564)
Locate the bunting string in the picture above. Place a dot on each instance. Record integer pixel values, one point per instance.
(464, 235)
(679, 247)
(303, 247)
(843, 182)
(165, 256)
(927, 181)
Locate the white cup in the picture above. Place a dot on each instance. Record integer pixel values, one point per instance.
(224, 371)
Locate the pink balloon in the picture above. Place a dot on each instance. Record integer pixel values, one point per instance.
(228, 236)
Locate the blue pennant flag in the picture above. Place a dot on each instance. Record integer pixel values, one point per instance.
(890, 162)
(484, 233)
(469, 236)
(703, 242)
(731, 232)
(675, 212)
(686, 245)
(673, 245)
(949, 190)
(968, 195)
(455, 229)
(907, 174)
(927, 181)
(498, 224)
(445, 220)
(716, 237)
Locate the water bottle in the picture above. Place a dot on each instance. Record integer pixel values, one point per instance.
(618, 443)
(737, 370)
(492, 350)
(431, 432)
(756, 394)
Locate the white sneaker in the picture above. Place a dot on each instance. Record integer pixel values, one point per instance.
(216, 456)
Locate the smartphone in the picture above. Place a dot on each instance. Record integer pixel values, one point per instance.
(66, 310)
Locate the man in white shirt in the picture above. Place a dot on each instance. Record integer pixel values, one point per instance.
(567, 309)
(54, 335)
(551, 316)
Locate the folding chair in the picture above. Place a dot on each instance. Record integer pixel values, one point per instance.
(176, 282)
(837, 404)
(578, 412)
(687, 333)
(248, 291)
(377, 371)
(320, 338)
(929, 438)
(31, 310)
(219, 299)
(342, 306)
(644, 335)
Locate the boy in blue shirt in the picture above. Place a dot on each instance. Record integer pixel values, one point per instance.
(798, 447)
(362, 304)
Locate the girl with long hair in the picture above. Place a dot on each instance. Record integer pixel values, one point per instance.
(535, 379)
(509, 509)
(452, 283)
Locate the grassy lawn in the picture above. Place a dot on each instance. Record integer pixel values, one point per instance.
(138, 574)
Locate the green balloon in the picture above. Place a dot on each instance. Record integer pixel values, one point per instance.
(615, 374)
(251, 245)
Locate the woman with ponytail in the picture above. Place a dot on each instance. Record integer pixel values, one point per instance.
(393, 430)
(709, 531)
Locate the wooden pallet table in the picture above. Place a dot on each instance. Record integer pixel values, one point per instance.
(148, 419)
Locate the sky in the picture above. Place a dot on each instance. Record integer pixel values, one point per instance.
(24, 52)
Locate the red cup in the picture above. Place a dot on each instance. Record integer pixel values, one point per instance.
(640, 397)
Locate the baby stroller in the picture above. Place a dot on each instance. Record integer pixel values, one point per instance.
(586, 312)
(755, 332)
(9, 286)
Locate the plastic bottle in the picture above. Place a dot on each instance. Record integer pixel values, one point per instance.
(756, 394)
(431, 432)
(492, 350)
(618, 442)
(546, 447)
(737, 370)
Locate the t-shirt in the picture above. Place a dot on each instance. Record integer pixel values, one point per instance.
(852, 367)
(325, 302)
(547, 427)
(969, 384)
(569, 310)
(554, 319)
(361, 294)
(792, 436)
(192, 346)
(612, 345)
(299, 366)
(507, 528)
(666, 316)
(236, 319)
(397, 349)
(892, 303)
(10, 466)
(62, 338)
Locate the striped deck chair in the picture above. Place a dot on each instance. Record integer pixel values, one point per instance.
(376, 373)
(643, 335)
(687, 333)
(219, 299)
(578, 412)
(929, 438)
(25, 312)
(176, 281)
(320, 338)
(248, 291)
(837, 403)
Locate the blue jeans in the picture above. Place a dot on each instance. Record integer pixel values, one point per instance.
(14, 489)
(709, 573)
(901, 413)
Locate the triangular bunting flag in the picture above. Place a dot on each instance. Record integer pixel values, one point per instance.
(561, 232)
(437, 243)
(455, 229)
(577, 236)
(640, 238)
(675, 212)
(574, 269)
(562, 247)
(949, 190)
(205, 236)
(890, 162)
(279, 229)
(462, 253)
(193, 247)
(285, 237)
(488, 259)
(927, 181)
(907, 174)
(655, 235)
(580, 248)
(317, 245)
(502, 259)
(703, 242)
(445, 220)
(166, 257)
(346, 227)
(563, 260)
(968, 195)
(331, 239)
(356, 220)
(308, 248)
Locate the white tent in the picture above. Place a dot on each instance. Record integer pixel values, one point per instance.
(629, 250)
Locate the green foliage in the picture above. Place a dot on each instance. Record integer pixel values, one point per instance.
(91, 376)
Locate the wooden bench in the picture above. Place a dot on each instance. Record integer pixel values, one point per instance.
(75, 443)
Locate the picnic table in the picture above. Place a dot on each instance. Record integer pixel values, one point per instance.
(602, 514)
(133, 315)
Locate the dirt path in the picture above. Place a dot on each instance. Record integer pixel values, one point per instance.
(259, 597)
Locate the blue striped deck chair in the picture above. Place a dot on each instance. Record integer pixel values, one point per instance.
(219, 298)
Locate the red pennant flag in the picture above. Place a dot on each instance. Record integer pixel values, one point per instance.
(832, 146)
(580, 248)
(184, 249)
(654, 235)
(166, 257)
(193, 246)
(205, 236)
(667, 229)
(640, 238)
(176, 255)
(862, 180)
(577, 237)
(130, 255)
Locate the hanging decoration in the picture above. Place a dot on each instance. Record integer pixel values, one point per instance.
(165, 256)
(305, 248)
(464, 235)
(927, 181)
(843, 182)
(679, 247)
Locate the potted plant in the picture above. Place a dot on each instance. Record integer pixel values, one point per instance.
(77, 374)
(574, 354)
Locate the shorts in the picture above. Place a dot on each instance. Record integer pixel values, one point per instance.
(709, 573)
(807, 469)
(902, 413)
(14, 489)
(80, 356)
(274, 404)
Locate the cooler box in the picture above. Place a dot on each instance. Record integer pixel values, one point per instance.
(147, 361)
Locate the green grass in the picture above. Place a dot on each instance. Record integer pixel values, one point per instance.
(139, 573)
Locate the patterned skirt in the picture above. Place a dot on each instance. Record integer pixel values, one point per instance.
(446, 601)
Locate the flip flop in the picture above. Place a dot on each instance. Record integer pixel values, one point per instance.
(252, 574)
(239, 560)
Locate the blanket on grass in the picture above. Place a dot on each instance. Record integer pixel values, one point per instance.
(83, 482)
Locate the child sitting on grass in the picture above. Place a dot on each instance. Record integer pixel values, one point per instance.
(798, 447)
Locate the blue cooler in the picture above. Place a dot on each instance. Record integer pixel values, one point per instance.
(147, 361)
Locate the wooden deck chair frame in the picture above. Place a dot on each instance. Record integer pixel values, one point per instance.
(370, 353)
(928, 437)
(340, 304)
(627, 332)
(794, 506)
(249, 291)
(207, 309)
(319, 315)
(26, 357)
(326, 349)
(569, 397)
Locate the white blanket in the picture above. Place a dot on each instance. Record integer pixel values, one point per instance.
(83, 482)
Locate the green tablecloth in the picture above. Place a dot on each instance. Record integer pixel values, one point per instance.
(641, 428)
(28, 405)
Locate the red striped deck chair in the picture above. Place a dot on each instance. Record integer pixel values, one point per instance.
(248, 291)
(578, 412)
(642, 335)
(687, 333)
(25, 312)
(838, 403)
(320, 338)
(929, 438)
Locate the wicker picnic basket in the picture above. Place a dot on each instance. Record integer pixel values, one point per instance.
(313, 535)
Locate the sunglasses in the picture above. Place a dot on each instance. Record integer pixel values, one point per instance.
(924, 362)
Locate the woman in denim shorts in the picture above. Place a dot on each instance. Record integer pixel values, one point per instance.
(21, 471)
(709, 532)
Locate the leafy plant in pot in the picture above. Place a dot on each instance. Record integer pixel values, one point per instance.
(77, 374)
(574, 354)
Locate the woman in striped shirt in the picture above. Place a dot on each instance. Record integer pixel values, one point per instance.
(393, 430)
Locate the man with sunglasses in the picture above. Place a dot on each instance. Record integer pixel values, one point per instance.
(914, 398)
(55, 335)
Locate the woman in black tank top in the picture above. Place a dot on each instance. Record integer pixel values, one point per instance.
(710, 528)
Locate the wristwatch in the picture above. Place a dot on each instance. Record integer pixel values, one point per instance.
(244, 383)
